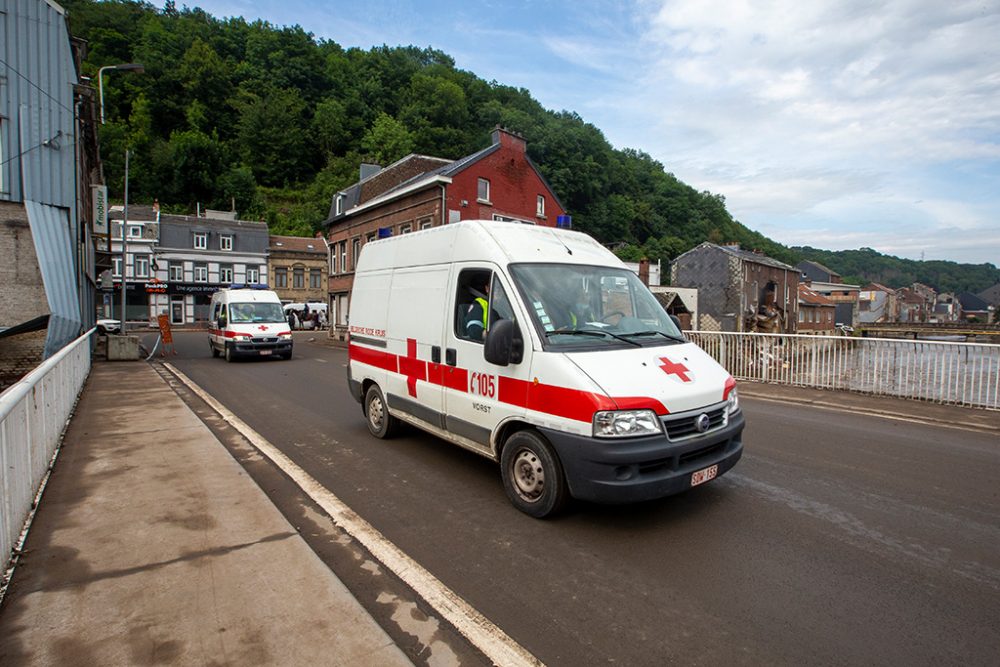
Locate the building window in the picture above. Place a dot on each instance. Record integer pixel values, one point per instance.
(201, 241)
(298, 278)
(175, 272)
(315, 279)
(141, 268)
(405, 228)
(225, 273)
(201, 273)
(253, 276)
(483, 193)
(226, 242)
(540, 206)
(135, 231)
(281, 277)
(340, 205)
(425, 223)
(334, 257)
(343, 256)
(342, 309)
(116, 267)
(355, 251)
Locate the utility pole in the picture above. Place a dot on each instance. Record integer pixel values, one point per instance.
(125, 245)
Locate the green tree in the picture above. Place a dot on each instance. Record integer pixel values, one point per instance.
(387, 140)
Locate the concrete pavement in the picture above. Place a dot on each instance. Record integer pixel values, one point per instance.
(153, 546)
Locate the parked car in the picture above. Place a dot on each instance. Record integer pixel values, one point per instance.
(106, 326)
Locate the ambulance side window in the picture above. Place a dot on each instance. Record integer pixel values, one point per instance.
(471, 316)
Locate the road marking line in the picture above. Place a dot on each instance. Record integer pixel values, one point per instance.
(322, 361)
(497, 645)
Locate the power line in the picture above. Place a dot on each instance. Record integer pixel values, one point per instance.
(35, 85)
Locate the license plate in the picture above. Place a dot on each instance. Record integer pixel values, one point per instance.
(702, 476)
(264, 353)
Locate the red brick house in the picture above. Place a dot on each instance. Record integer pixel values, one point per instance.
(499, 182)
(816, 312)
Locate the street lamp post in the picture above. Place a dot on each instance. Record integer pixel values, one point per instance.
(125, 67)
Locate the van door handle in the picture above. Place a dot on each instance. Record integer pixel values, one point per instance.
(436, 354)
(451, 356)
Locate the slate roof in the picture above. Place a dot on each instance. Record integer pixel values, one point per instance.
(297, 244)
(971, 302)
(749, 256)
(991, 295)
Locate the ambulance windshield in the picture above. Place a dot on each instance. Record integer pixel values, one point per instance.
(255, 312)
(575, 307)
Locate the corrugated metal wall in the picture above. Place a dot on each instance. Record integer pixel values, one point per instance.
(36, 97)
(38, 135)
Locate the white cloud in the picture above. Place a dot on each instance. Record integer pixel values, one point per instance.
(788, 108)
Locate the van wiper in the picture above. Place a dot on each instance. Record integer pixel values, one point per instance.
(589, 332)
(654, 333)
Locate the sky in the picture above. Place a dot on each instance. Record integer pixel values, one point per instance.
(840, 125)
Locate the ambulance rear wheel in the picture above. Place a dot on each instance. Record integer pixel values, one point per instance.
(380, 423)
(532, 475)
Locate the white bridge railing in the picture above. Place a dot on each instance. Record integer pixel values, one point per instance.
(955, 373)
(33, 415)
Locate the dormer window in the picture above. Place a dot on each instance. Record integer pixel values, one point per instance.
(226, 242)
(340, 204)
(200, 240)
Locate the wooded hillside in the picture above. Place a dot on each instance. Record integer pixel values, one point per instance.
(275, 121)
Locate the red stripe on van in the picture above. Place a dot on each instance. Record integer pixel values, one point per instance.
(384, 360)
(559, 401)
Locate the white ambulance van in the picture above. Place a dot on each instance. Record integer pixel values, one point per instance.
(248, 322)
(537, 348)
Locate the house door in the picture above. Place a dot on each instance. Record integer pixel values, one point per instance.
(177, 310)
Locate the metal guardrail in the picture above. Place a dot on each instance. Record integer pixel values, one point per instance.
(942, 372)
(33, 416)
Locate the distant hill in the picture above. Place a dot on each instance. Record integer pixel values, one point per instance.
(867, 265)
(276, 121)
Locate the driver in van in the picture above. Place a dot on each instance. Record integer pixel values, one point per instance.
(476, 314)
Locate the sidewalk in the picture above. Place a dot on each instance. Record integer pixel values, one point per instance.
(153, 546)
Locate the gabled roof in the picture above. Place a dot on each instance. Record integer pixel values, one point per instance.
(810, 297)
(819, 266)
(879, 287)
(297, 244)
(744, 255)
(991, 295)
(971, 302)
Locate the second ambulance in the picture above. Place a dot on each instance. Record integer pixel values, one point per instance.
(538, 348)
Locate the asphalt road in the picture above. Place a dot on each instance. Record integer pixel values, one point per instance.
(838, 539)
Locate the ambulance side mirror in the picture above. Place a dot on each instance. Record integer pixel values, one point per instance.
(504, 344)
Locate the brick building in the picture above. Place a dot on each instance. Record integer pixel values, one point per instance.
(816, 312)
(297, 268)
(739, 290)
(499, 182)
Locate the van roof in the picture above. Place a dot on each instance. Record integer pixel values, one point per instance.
(485, 240)
(245, 295)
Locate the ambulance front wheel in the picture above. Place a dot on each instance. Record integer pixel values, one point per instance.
(532, 475)
(380, 423)
(215, 351)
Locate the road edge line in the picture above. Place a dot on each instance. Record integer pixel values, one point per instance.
(493, 642)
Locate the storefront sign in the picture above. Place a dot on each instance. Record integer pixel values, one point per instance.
(100, 209)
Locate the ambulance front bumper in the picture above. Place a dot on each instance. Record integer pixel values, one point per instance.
(258, 347)
(629, 470)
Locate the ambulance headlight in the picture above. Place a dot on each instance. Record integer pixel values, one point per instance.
(625, 423)
(285, 336)
(733, 402)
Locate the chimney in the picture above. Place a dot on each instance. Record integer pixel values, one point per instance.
(368, 169)
(644, 271)
(509, 139)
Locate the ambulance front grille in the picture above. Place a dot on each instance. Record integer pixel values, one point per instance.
(683, 426)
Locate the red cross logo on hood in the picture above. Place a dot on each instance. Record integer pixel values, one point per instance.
(262, 327)
(671, 368)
